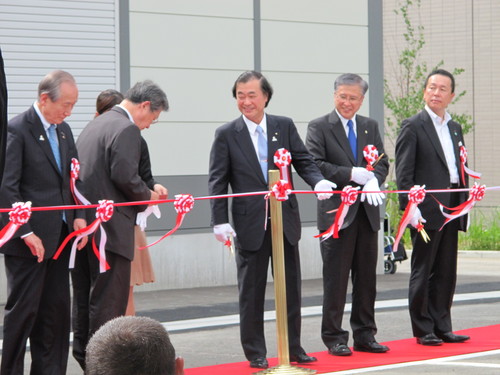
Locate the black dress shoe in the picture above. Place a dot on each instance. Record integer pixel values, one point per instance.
(302, 358)
(259, 362)
(451, 337)
(429, 340)
(341, 350)
(371, 347)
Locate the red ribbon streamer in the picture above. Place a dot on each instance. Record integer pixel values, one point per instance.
(463, 168)
(74, 173)
(19, 215)
(183, 204)
(415, 197)
(348, 196)
(103, 214)
(476, 194)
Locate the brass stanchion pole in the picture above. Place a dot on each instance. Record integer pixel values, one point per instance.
(284, 366)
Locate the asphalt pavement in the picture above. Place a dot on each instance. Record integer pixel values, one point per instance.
(203, 322)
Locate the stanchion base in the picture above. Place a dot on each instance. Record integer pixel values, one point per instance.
(286, 369)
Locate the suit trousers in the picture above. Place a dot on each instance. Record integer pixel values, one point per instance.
(252, 269)
(354, 252)
(38, 308)
(97, 297)
(433, 280)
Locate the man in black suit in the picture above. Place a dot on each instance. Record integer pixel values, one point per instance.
(236, 159)
(428, 153)
(110, 148)
(3, 116)
(40, 147)
(336, 142)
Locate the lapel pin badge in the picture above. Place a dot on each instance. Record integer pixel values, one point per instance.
(366, 131)
(274, 139)
(41, 138)
(63, 136)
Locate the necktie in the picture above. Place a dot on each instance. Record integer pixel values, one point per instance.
(262, 146)
(54, 145)
(352, 140)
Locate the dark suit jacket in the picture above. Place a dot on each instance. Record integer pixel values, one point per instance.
(3, 116)
(110, 148)
(33, 175)
(327, 142)
(233, 161)
(420, 160)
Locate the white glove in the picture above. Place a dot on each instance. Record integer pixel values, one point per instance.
(142, 217)
(417, 217)
(223, 231)
(374, 199)
(324, 185)
(361, 175)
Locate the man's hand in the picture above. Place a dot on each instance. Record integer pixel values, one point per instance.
(375, 199)
(77, 225)
(324, 185)
(161, 190)
(223, 232)
(36, 246)
(361, 175)
(154, 196)
(417, 218)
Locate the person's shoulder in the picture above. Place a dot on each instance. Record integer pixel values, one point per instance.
(321, 121)
(279, 118)
(231, 125)
(366, 120)
(20, 119)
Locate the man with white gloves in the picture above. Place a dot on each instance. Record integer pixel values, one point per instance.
(337, 141)
(241, 155)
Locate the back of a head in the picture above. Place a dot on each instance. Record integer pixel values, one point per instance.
(148, 91)
(130, 345)
(107, 99)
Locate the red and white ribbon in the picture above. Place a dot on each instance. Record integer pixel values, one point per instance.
(463, 167)
(183, 204)
(370, 153)
(476, 194)
(348, 196)
(74, 173)
(282, 159)
(103, 214)
(19, 215)
(416, 196)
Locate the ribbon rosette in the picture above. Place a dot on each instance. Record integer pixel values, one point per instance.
(282, 159)
(74, 173)
(348, 196)
(281, 190)
(370, 153)
(19, 215)
(463, 168)
(103, 214)
(476, 194)
(183, 204)
(416, 196)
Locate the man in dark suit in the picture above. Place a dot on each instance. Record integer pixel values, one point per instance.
(3, 115)
(110, 147)
(428, 153)
(236, 159)
(336, 142)
(40, 147)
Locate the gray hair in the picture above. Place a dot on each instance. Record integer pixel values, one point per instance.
(130, 345)
(351, 79)
(148, 91)
(51, 84)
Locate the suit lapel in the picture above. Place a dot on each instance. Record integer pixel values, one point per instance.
(430, 130)
(242, 138)
(273, 140)
(457, 141)
(40, 135)
(63, 150)
(339, 134)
